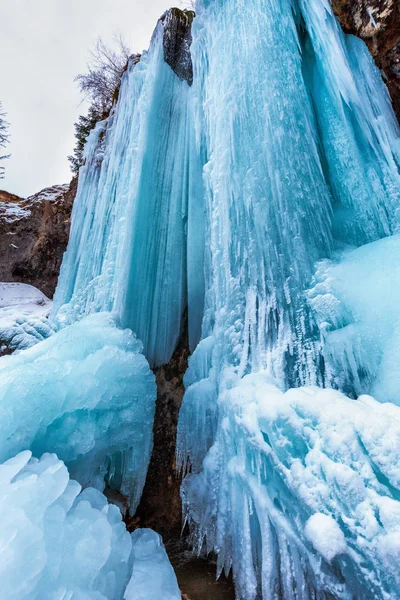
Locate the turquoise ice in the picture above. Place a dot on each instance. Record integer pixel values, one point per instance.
(263, 203)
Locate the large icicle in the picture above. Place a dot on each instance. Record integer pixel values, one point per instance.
(302, 157)
(139, 206)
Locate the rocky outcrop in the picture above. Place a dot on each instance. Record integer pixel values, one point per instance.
(160, 507)
(177, 42)
(377, 22)
(34, 234)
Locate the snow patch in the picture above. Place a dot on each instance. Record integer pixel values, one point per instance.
(325, 535)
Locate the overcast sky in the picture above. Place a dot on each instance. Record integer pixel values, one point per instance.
(43, 45)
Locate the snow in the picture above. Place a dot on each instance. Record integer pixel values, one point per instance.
(50, 194)
(325, 535)
(86, 393)
(23, 316)
(59, 542)
(11, 212)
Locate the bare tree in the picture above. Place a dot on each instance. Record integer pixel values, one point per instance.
(188, 4)
(105, 68)
(3, 137)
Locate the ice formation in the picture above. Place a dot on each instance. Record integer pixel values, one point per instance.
(87, 394)
(302, 165)
(133, 222)
(356, 299)
(153, 577)
(23, 316)
(262, 195)
(300, 493)
(59, 542)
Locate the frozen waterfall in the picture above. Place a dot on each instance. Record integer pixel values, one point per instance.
(252, 185)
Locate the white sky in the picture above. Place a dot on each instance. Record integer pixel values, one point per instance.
(44, 44)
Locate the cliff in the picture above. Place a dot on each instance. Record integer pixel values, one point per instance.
(34, 234)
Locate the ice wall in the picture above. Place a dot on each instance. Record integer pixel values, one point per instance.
(138, 211)
(302, 165)
(59, 542)
(86, 393)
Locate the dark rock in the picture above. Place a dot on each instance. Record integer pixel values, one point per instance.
(34, 235)
(160, 507)
(177, 42)
(377, 22)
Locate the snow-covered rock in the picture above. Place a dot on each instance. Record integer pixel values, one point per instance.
(23, 317)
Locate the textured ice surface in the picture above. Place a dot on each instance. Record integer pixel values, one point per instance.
(59, 542)
(86, 393)
(284, 153)
(153, 577)
(23, 316)
(300, 493)
(138, 209)
(357, 302)
(297, 492)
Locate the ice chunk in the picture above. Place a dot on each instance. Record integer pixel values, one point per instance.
(299, 493)
(54, 542)
(59, 542)
(153, 577)
(86, 393)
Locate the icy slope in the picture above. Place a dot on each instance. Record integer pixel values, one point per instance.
(86, 393)
(59, 542)
(356, 298)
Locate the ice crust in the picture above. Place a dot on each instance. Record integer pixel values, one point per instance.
(86, 393)
(57, 541)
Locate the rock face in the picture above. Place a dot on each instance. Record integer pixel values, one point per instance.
(34, 235)
(177, 42)
(377, 22)
(161, 506)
